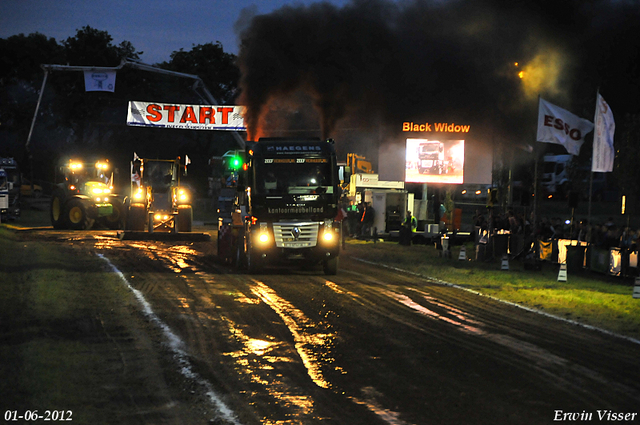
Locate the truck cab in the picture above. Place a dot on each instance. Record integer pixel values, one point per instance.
(288, 194)
(4, 193)
(555, 174)
(10, 192)
(431, 158)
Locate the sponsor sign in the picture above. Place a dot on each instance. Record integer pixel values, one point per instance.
(100, 81)
(188, 117)
(605, 127)
(559, 126)
(436, 127)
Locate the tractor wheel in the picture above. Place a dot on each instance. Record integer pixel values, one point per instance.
(184, 219)
(57, 210)
(116, 220)
(136, 219)
(76, 214)
(330, 266)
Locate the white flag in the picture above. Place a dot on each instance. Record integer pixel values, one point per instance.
(603, 151)
(100, 80)
(557, 125)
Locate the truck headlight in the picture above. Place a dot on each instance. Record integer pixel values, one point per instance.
(327, 236)
(263, 238)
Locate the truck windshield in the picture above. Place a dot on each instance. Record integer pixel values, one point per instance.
(294, 177)
(430, 148)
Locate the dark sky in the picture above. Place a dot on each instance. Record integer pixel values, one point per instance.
(156, 27)
(380, 62)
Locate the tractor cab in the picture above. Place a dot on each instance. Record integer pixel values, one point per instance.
(85, 195)
(158, 202)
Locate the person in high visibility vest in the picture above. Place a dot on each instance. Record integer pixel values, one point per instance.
(411, 222)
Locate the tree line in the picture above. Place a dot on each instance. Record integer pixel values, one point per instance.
(75, 123)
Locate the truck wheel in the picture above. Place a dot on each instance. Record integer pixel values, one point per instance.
(185, 219)
(116, 219)
(77, 215)
(330, 266)
(57, 210)
(239, 258)
(254, 261)
(136, 218)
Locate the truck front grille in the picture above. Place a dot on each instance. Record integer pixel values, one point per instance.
(296, 235)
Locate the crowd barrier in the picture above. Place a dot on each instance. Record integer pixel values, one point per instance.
(577, 255)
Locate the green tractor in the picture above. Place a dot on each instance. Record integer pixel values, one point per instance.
(85, 197)
(158, 202)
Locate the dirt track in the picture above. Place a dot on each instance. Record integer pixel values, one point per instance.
(367, 346)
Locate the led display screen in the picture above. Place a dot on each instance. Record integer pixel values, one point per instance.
(434, 161)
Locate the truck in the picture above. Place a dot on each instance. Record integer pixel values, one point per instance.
(9, 188)
(158, 202)
(285, 206)
(84, 195)
(555, 175)
(431, 158)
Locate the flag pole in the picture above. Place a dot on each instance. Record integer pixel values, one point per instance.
(535, 174)
(595, 128)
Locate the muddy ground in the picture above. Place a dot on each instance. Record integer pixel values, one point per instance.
(200, 342)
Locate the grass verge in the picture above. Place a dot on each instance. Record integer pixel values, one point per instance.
(588, 298)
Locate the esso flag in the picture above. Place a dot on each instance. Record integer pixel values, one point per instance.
(557, 125)
(188, 117)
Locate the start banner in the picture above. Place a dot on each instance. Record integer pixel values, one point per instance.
(188, 117)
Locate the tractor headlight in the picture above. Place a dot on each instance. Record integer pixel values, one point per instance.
(183, 195)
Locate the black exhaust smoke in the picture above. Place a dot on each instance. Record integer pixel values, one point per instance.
(382, 62)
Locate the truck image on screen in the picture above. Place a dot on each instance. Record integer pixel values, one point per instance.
(431, 158)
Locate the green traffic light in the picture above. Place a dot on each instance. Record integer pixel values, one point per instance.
(236, 163)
